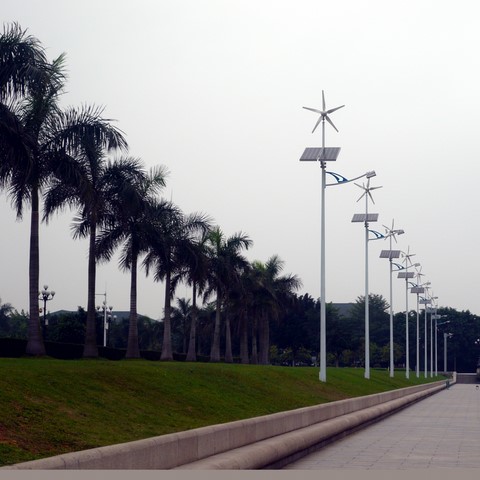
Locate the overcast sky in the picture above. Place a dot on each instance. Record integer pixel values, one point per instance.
(214, 90)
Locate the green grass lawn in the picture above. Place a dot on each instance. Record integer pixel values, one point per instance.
(48, 406)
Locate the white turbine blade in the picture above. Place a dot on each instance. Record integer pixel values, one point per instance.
(374, 188)
(331, 123)
(313, 110)
(328, 112)
(360, 186)
(361, 196)
(370, 195)
(317, 124)
(323, 100)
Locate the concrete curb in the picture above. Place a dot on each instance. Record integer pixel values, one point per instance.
(254, 443)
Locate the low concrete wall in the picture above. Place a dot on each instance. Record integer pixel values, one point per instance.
(245, 444)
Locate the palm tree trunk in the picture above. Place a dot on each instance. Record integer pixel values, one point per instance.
(263, 339)
(254, 359)
(35, 345)
(90, 349)
(192, 355)
(133, 350)
(215, 350)
(243, 338)
(167, 325)
(228, 339)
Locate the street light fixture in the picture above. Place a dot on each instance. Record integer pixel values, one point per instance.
(46, 296)
(366, 218)
(324, 155)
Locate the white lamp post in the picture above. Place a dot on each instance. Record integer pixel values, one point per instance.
(425, 301)
(391, 254)
(366, 218)
(107, 311)
(323, 155)
(431, 310)
(406, 275)
(438, 317)
(445, 336)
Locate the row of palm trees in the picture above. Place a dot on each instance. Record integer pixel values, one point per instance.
(62, 157)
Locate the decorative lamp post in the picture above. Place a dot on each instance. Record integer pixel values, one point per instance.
(46, 296)
(324, 155)
(107, 314)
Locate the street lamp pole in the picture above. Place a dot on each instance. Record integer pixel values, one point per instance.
(322, 155)
(432, 313)
(425, 301)
(407, 275)
(445, 337)
(366, 218)
(106, 311)
(438, 317)
(391, 254)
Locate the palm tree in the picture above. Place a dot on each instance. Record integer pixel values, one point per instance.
(130, 224)
(181, 314)
(226, 265)
(29, 94)
(272, 292)
(166, 258)
(84, 179)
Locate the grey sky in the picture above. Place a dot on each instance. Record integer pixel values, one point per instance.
(214, 90)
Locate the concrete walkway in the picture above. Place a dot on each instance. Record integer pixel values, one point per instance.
(442, 431)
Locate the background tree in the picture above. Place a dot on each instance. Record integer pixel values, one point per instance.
(166, 255)
(181, 314)
(226, 263)
(196, 274)
(30, 88)
(130, 223)
(84, 179)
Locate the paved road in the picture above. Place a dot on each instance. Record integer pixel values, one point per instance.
(442, 431)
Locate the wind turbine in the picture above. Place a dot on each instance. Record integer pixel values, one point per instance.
(324, 115)
(366, 218)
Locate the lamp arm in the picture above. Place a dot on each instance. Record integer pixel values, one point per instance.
(341, 179)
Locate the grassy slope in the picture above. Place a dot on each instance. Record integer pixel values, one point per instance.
(51, 406)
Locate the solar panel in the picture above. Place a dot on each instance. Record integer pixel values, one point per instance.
(424, 301)
(390, 254)
(417, 290)
(360, 217)
(406, 274)
(319, 154)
